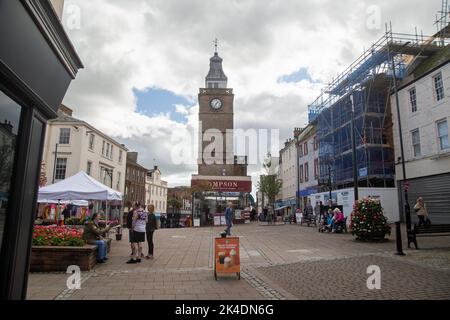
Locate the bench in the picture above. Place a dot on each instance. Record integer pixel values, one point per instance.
(309, 220)
(432, 230)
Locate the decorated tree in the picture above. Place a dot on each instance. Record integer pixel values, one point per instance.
(368, 222)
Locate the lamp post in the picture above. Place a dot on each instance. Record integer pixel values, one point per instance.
(54, 164)
(355, 165)
(330, 187)
(405, 189)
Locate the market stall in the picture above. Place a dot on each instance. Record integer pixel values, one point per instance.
(78, 187)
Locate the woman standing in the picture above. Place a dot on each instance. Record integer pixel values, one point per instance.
(150, 228)
(421, 211)
(138, 227)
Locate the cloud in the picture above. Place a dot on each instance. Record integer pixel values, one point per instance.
(131, 46)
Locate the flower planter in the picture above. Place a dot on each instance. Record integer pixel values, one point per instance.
(51, 258)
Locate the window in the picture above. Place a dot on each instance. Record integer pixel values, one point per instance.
(107, 150)
(415, 137)
(438, 87)
(413, 99)
(316, 169)
(316, 143)
(91, 141)
(89, 167)
(306, 172)
(64, 135)
(60, 170)
(103, 148)
(118, 180)
(301, 173)
(10, 113)
(120, 156)
(442, 129)
(305, 147)
(106, 176)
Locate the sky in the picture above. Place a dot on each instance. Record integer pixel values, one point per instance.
(145, 61)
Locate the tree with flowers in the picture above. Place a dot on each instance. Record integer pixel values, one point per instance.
(368, 222)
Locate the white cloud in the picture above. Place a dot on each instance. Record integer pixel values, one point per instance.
(167, 44)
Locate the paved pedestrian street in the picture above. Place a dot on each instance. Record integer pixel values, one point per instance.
(277, 263)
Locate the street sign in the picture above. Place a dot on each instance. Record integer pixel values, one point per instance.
(363, 172)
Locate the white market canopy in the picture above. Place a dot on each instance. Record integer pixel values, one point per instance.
(78, 187)
(79, 203)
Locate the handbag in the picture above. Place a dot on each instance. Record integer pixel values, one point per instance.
(427, 221)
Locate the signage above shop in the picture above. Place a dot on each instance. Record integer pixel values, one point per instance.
(224, 185)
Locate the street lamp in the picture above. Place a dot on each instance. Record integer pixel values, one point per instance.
(355, 165)
(405, 189)
(54, 164)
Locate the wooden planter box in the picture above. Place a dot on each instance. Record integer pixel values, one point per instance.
(51, 259)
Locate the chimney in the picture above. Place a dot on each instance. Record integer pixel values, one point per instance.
(297, 132)
(65, 110)
(132, 157)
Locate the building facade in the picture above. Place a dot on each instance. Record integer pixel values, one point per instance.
(424, 101)
(308, 164)
(156, 190)
(37, 64)
(135, 181)
(72, 145)
(184, 196)
(288, 176)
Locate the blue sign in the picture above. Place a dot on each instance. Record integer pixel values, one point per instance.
(363, 172)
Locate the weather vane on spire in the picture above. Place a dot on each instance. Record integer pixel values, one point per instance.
(215, 45)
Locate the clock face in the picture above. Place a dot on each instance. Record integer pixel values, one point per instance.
(216, 103)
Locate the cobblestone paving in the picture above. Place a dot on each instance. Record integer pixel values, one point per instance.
(346, 278)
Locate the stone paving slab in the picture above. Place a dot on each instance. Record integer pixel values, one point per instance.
(184, 259)
(346, 279)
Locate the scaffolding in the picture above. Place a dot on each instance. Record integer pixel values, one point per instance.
(369, 80)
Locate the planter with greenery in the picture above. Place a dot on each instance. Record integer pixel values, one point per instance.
(368, 222)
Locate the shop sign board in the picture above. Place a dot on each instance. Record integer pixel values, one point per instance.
(226, 253)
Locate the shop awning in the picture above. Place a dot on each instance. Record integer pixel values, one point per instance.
(281, 208)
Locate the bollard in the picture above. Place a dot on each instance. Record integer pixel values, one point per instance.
(398, 236)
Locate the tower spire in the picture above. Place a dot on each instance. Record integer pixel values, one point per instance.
(216, 78)
(215, 45)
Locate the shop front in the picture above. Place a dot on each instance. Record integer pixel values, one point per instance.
(37, 64)
(213, 195)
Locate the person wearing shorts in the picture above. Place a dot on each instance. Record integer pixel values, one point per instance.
(138, 235)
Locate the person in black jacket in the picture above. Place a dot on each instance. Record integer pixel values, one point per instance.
(130, 226)
(150, 229)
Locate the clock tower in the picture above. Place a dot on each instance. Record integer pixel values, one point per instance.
(222, 176)
(216, 118)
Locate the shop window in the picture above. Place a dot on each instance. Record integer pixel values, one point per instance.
(9, 128)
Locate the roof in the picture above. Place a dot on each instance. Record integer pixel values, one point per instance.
(135, 164)
(215, 69)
